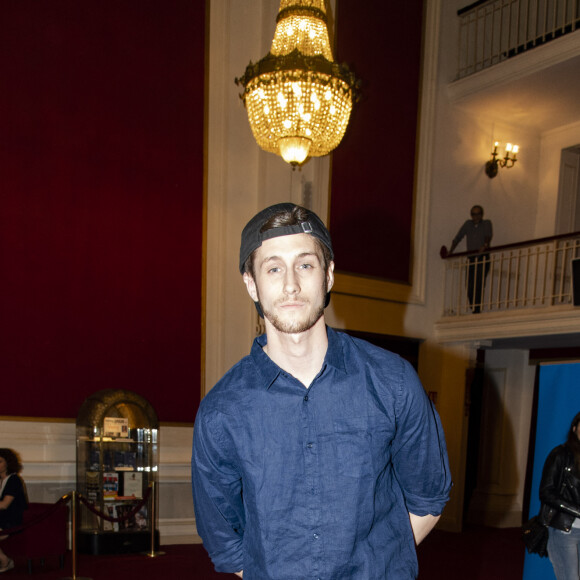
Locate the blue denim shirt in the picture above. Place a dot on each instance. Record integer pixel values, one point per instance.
(292, 483)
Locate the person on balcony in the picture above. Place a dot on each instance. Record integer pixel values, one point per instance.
(12, 499)
(477, 233)
(318, 455)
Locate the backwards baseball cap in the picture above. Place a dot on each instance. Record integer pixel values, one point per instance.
(252, 237)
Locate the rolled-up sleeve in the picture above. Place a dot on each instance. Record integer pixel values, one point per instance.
(419, 451)
(217, 493)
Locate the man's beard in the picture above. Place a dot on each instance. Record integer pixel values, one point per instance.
(294, 326)
(297, 326)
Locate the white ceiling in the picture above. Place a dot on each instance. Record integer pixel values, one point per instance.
(538, 90)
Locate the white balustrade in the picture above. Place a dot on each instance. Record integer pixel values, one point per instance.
(530, 275)
(495, 30)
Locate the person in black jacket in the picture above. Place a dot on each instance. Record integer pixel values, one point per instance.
(13, 500)
(560, 497)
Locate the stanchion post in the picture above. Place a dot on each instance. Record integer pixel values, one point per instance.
(74, 576)
(152, 522)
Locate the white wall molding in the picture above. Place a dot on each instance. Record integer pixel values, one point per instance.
(178, 531)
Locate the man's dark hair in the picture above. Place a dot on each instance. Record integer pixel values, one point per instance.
(12, 462)
(291, 217)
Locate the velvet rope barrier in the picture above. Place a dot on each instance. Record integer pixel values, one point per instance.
(153, 516)
(39, 518)
(150, 493)
(76, 497)
(91, 507)
(73, 526)
(66, 498)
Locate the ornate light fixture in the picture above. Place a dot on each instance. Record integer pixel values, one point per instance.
(297, 98)
(508, 161)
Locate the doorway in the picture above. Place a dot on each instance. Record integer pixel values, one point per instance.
(568, 211)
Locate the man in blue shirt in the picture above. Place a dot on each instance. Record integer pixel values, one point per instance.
(318, 456)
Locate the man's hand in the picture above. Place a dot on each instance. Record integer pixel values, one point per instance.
(422, 525)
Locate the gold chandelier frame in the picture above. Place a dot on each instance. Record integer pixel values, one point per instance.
(299, 104)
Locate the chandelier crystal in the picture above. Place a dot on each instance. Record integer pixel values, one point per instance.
(297, 98)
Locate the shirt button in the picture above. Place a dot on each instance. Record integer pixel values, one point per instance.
(309, 445)
(316, 536)
(305, 398)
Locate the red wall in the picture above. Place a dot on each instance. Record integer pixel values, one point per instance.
(373, 168)
(101, 197)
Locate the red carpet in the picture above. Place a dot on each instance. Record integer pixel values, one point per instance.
(476, 554)
(179, 562)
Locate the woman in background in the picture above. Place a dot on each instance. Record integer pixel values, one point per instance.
(560, 496)
(12, 499)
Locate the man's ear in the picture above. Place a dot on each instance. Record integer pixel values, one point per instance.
(250, 286)
(330, 276)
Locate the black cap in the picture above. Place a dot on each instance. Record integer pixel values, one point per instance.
(252, 238)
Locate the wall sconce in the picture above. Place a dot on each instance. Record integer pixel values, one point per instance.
(508, 161)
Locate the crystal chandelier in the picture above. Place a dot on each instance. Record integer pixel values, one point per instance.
(297, 98)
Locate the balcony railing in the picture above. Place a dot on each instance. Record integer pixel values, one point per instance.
(493, 30)
(533, 274)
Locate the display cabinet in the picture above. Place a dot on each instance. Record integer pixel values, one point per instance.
(117, 466)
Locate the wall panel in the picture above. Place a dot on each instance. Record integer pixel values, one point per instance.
(373, 169)
(101, 200)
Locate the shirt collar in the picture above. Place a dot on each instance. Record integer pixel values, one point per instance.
(335, 356)
(269, 370)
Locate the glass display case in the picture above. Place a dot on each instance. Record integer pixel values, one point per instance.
(117, 435)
